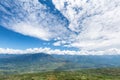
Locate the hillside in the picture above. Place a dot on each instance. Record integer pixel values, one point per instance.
(89, 61)
(28, 63)
(88, 74)
(41, 62)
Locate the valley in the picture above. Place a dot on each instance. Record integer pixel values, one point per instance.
(88, 74)
(41, 66)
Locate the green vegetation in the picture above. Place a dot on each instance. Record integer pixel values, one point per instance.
(42, 66)
(41, 62)
(86, 74)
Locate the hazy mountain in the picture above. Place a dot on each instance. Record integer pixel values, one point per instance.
(15, 63)
(89, 61)
(28, 62)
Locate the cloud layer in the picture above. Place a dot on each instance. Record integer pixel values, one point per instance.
(32, 18)
(96, 22)
(84, 24)
(59, 52)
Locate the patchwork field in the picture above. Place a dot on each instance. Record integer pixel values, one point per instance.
(88, 74)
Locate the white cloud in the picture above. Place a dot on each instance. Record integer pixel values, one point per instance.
(94, 24)
(31, 18)
(59, 52)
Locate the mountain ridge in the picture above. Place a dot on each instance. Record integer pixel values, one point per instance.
(40, 62)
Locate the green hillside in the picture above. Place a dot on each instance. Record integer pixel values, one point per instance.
(41, 62)
(88, 74)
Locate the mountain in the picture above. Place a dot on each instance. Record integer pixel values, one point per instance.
(89, 61)
(40, 62)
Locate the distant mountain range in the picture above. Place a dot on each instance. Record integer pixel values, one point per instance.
(39, 62)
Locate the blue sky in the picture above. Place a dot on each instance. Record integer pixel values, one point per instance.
(75, 25)
(10, 39)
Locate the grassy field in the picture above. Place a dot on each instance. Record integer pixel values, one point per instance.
(89, 74)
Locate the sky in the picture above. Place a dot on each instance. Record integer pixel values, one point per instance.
(81, 27)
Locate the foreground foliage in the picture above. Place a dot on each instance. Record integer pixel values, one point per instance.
(88, 74)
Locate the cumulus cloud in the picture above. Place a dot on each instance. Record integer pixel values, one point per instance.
(59, 52)
(87, 24)
(96, 22)
(32, 18)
